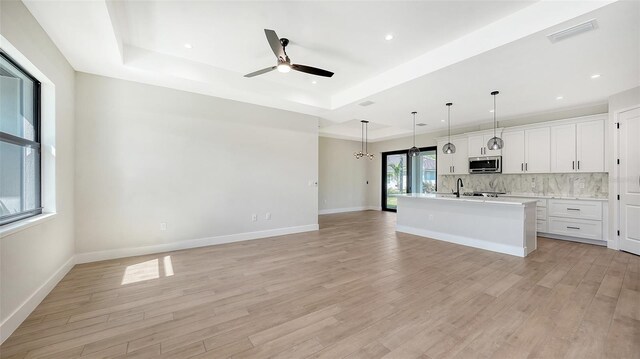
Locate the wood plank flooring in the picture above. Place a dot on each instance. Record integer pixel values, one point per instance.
(354, 289)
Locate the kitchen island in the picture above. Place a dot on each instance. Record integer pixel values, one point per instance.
(504, 225)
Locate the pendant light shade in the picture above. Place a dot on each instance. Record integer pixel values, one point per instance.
(364, 142)
(414, 151)
(449, 148)
(495, 143)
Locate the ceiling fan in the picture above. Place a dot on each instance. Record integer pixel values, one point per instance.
(284, 63)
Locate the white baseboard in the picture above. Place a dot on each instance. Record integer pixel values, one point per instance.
(348, 209)
(465, 241)
(193, 243)
(13, 321)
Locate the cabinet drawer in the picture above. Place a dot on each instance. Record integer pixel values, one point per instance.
(575, 209)
(542, 203)
(581, 228)
(541, 225)
(541, 212)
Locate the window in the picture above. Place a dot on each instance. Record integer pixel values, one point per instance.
(19, 142)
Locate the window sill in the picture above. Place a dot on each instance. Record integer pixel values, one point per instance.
(25, 223)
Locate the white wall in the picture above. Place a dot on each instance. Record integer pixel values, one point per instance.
(343, 178)
(148, 155)
(31, 257)
(617, 103)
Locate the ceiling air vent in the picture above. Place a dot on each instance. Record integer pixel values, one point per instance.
(366, 103)
(573, 31)
(421, 124)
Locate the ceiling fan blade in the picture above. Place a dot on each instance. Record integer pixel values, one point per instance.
(274, 42)
(260, 72)
(312, 70)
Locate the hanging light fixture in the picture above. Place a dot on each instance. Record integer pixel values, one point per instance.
(414, 151)
(364, 130)
(495, 143)
(449, 147)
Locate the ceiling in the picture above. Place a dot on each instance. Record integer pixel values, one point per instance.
(441, 51)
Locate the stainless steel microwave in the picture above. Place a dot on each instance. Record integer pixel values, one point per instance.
(489, 164)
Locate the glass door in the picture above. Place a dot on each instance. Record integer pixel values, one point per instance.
(394, 178)
(402, 174)
(423, 171)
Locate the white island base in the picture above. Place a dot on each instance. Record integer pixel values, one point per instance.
(501, 225)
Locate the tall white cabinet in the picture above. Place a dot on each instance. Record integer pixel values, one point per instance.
(578, 147)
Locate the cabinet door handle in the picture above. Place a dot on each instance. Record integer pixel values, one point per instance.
(573, 165)
(526, 166)
(454, 169)
(573, 209)
(570, 227)
(522, 167)
(578, 164)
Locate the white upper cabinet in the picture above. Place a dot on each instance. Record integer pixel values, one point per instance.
(443, 160)
(455, 163)
(563, 148)
(513, 152)
(477, 145)
(590, 146)
(537, 150)
(526, 151)
(578, 147)
(460, 158)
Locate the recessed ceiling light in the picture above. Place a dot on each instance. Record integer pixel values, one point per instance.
(314, 82)
(559, 98)
(188, 46)
(441, 120)
(595, 76)
(491, 111)
(388, 37)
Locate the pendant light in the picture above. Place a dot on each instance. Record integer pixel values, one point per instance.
(449, 147)
(414, 151)
(495, 143)
(364, 151)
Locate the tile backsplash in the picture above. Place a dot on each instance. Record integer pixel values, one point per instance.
(560, 184)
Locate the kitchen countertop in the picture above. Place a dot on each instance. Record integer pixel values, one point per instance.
(452, 197)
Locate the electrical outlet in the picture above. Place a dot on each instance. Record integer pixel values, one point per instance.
(431, 217)
(254, 217)
(582, 185)
(267, 216)
(163, 226)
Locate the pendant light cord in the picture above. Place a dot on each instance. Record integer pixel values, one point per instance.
(449, 121)
(494, 115)
(366, 138)
(414, 129)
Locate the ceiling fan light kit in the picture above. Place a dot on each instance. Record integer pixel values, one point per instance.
(495, 143)
(449, 148)
(284, 65)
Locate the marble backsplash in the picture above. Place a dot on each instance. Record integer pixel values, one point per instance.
(556, 184)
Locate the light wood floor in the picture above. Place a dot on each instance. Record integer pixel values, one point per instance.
(354, 289)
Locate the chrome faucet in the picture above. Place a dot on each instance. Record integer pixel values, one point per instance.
(458, 185)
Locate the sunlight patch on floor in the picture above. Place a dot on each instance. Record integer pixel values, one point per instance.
(148, 270)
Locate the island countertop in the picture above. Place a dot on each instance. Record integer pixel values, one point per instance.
(452, 197)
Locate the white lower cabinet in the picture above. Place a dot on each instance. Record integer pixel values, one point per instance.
(581, 228)
(576, 218)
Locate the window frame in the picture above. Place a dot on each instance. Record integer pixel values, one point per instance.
(408, 189)
(35, 144)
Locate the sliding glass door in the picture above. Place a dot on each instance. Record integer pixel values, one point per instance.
(403, 174)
